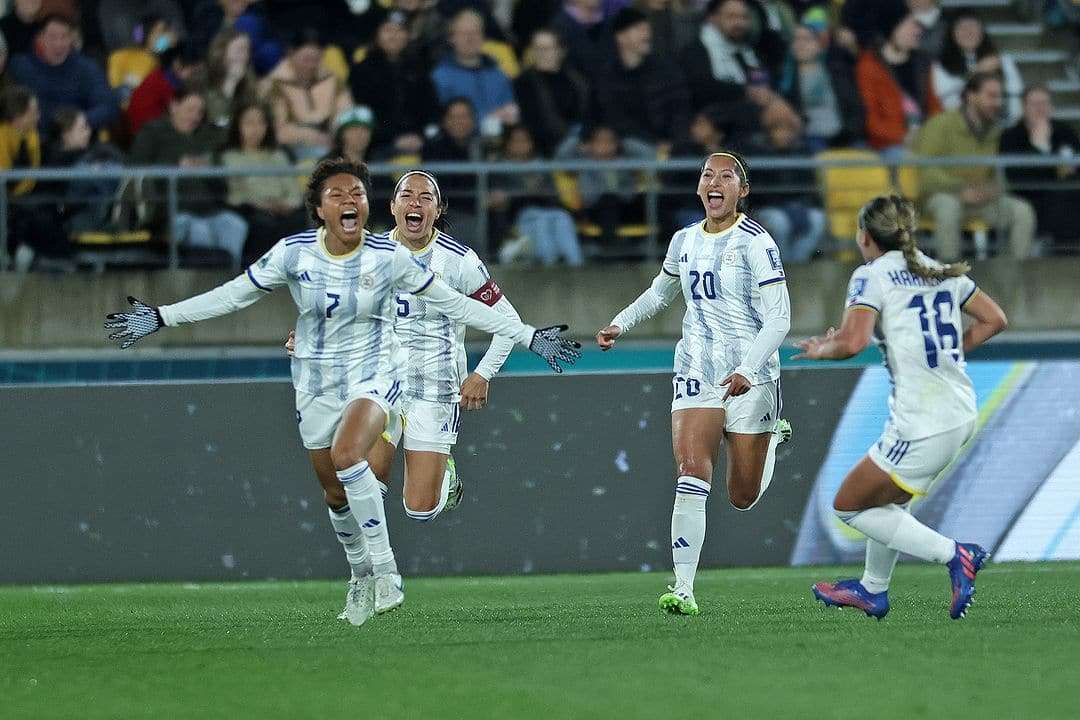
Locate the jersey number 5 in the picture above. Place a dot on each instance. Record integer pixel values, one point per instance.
(943, 336)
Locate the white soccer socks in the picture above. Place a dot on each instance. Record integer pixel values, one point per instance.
(365, 500)
(895, 528)
(352, 539)
(429, 515)
(688, 527)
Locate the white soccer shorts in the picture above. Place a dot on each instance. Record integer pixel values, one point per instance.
(914, 464)
(428, 426)
(752, 413)
(318, 416)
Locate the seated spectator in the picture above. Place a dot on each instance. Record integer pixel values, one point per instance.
(456, 141)
(640, 94)
(31, 232)
(895, 86)
(116, 20)
(85, 204)
(967, 49)
(1054, 192)
(785, 201)
(954, 194)
(20, 26)
(128, 66)
(551, 94)
(586, 35)
(230, 78)
(468, 72)
(722, 66)
(609, 198)
(180, 138)
(394, 77)
(708, 134)
(546, 230)
(211, 16)
(272, 205)
(424, 26)
(674, 25)
(933, 26)
(352, 139)
(819, 83)
(181, 67)
(60, 76)
(305, 98)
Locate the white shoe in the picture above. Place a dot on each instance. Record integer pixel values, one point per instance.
(388, 592)
(359, 601)
(516, 249)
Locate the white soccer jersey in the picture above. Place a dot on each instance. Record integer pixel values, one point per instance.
(437, 361)
(345, 333)
(722, 276)
(921, 335)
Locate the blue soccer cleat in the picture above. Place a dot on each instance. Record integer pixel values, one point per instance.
(967, 561)
(851, 593)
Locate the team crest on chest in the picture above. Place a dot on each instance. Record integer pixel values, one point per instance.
(367, 282)
(729, 257)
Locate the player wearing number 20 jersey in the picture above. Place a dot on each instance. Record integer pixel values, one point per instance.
(920, 333)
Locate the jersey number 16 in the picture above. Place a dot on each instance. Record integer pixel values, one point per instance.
(942, 335)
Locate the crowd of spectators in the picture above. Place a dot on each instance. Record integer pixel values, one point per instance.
(280, 83)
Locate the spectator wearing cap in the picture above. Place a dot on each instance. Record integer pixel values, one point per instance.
(895, 84)
(272, 205)
(352, 139)
(640, 94)
(180, 65)
(468, 72)
(395, 78)
(61, 76)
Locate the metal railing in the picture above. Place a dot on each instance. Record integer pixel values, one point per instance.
(487, 175)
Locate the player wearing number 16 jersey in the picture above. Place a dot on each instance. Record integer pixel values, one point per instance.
(727, 370)
(916, 305)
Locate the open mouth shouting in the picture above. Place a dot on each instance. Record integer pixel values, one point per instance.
(414, 222)
(350, 220)
(715, 199)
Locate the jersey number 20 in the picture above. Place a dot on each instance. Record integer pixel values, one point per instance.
(943, 336)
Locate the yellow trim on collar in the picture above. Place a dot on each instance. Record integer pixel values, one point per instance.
(321, 234)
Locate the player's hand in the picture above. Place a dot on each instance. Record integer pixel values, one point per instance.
(135, 325)
(811, 348)
(736, 385)
(474, 392)
(607, 336)
(290, 343)
(547, 343)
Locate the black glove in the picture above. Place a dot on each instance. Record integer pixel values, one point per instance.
(134, 326)
(547, 344)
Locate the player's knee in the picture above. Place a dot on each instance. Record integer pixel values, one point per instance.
(742, 499)
(695, 468)
(422, 511)
(345, 454)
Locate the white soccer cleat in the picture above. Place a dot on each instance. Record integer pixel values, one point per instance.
(359, 601)
(389, 592)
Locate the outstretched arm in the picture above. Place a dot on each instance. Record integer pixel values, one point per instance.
(853, 336)
(664, 288)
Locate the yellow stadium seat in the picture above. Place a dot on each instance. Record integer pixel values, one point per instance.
(504, 55)
(846, 189)
(333, 59)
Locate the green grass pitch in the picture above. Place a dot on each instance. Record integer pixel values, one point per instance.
(546, 647)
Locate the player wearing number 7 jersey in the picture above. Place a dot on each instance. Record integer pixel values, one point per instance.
(346, 369)
(916, 305)
(727, 369)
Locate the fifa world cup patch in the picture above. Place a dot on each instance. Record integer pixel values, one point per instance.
(488, 293)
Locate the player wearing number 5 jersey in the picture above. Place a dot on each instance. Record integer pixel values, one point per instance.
(346, 366)
(727, 369)
(916, 305)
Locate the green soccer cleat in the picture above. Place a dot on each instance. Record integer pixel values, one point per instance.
(457, 490)
(782, 430)
(679, 600)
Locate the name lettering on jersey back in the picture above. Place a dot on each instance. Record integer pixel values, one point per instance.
(907, 278)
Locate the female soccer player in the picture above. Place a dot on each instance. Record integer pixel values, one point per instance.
(916, 304)
(727, 369)
(346, 366)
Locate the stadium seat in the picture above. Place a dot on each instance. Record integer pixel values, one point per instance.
(503, 53)
(333, 59)
(846, 189)
(635, 234)
(907, 184)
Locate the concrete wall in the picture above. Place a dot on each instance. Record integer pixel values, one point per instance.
(66, 311)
